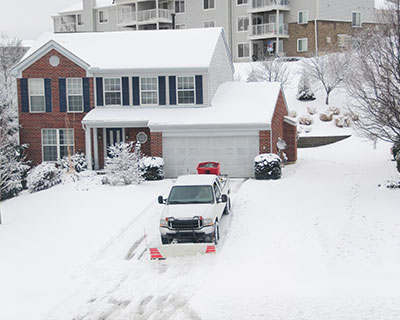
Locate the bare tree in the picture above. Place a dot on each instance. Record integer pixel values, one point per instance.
(275, 70)
(330, 70)
(375, 81)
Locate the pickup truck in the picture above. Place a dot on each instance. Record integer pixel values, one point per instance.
(194, 208)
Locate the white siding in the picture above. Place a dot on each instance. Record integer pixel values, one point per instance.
(221, 67)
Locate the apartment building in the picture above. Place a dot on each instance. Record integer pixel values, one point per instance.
(255, 29)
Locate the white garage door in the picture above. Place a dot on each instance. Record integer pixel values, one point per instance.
(235, 153)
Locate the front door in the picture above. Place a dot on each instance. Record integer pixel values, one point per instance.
(114, 136)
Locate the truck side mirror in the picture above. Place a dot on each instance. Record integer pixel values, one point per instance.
(160, 200)
(224, 198)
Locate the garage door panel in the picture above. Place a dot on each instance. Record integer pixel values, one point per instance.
(235, 153)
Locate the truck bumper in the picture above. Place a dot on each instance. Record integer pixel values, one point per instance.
(202, 235)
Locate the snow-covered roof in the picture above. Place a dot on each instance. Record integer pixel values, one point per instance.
(235, 105)
(79, 5)
(150, 49)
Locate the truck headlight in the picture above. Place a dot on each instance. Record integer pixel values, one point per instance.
(163, 223)
(208, 222)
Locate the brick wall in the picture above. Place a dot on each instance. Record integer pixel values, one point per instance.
(290, 136)
(156, 149)
(32, 123)
(130, 135)
(265, 141)
(277, 122)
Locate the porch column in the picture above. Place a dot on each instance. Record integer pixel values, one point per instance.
(95, 149)
(277, 33)
(88, 148)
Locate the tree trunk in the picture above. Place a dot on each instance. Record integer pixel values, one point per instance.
(327, 99)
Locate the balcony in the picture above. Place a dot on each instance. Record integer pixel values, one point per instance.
(268, 30)
(154, 15)
(127, 18)
(67, 27)
(268, 5)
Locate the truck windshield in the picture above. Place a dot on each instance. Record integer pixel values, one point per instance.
(191, 194)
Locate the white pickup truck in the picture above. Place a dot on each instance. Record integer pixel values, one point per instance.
(194, 208)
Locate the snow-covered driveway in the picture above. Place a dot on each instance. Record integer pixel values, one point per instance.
(321, 243)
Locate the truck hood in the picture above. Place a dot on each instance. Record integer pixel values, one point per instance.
(181, 211)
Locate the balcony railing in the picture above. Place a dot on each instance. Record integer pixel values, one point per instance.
(68, 27)
(268, 29)
(148, 15)
(126, 17)
(262, 4)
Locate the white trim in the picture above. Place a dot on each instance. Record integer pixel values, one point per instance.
(194, 89)
(88, 148)
(237, 23)
(356, 26)
(209, 9)
(58, 145)
(302, 39)
(289, 120)
(96, 149)
(36, 95)
(298, 17)
(67, 95)
(208, 133)
(158, 92)
(217, 127)
(104, 91)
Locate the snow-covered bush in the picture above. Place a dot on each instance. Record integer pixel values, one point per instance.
(326, 116)
(335, 110)
(123, 164)
(304, 91)
(153, 168)
(76, 162)
(293, 113)
(312, 110)
(267, 166)
(43, 176)
(306, 120)
(343, 121)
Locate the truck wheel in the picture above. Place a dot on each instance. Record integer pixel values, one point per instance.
(216, 232)
(227, 209)
(164, 240)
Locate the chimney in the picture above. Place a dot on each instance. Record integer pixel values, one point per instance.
(88, 15)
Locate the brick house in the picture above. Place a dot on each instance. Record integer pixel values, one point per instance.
(171, 90)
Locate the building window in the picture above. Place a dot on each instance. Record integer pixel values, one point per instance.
(185, 90)
(112, 91)
(103, 16)
(356, 19)
(74, 95)
(242, 24)
(180, 6)
(243, 50)
(209, 24)
(180, 26)
(57, 143)
(36, 95)
(241, 2)
(302, 17)
(208, 4)
(79, 19)
(302, 45)
(149, 91)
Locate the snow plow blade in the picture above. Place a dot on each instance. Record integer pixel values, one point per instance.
(181, 250)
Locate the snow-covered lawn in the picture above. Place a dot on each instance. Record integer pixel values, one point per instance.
(323, 242)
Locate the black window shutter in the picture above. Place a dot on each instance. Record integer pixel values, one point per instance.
(86, 94)
(24, 95)
(172, 90)
(136, 94)
(199, 89)
(99, 91)
(161, 91)
(125, 91)
(47, 93)
(62, 89)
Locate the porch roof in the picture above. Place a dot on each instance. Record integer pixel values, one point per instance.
(236, 105)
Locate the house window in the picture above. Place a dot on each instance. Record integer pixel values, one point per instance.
(103, 16)
(36, 95)
(356, 19)
(180, 26)
(242, 24)
(57, 143)
(185, 90)
(79, 19)
(241, 2)
(179, 6)
(208, 4)
(209, 24)
(112, 91)
(243, 50)
(149, 91)
(74, 95)
(302, 17)
(302, 45)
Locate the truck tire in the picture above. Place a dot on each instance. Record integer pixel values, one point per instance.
(165, 240)
(216, 233)
(227, 209)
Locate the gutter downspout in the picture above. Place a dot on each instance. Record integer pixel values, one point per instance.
(316, 26)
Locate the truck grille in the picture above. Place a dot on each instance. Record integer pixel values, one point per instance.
(185, 224)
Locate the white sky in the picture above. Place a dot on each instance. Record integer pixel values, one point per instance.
(27, 19)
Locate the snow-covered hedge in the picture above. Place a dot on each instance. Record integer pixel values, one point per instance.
(335, 110)
(343, 121)
(306, 120)
(312, 110)
(153, 168)
(43, 176)
(267, 166)
(123, 166)
(326, 116)
(76, 161)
